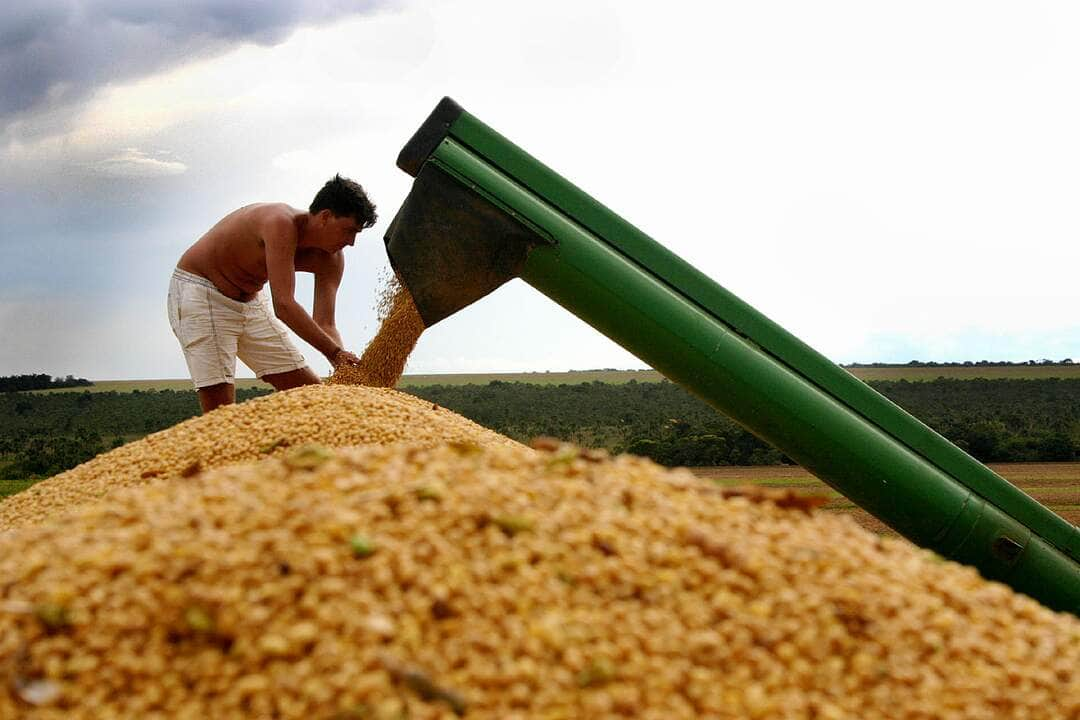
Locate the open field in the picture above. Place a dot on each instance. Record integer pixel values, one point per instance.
(536, 378)
(1055, 485)
(145, 385)
(10, 487)
(1003, 372)
(903, 372)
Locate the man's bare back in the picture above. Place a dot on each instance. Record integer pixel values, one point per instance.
(232, 254)
(268, 243)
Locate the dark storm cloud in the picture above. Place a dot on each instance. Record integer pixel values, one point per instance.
(56, 52)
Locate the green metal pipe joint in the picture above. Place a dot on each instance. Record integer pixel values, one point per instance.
(482, 211)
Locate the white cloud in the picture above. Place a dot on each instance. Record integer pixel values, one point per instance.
(134, 163)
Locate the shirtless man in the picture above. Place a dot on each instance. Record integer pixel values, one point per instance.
(218, 313)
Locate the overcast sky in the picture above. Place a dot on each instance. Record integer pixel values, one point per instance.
(889, 181)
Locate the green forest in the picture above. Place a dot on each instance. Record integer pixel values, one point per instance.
(995, 420)
(40, 381)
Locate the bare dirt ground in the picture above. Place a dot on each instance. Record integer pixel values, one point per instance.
(1055, 485)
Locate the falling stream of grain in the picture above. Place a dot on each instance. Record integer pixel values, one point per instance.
(384, 358)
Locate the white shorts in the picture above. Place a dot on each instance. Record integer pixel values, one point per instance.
(214, 330)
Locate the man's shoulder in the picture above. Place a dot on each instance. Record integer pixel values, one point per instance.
(273, 218)
(273, 211)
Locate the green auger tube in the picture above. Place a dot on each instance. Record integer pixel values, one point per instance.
(482, 212)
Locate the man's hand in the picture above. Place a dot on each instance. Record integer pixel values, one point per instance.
(344, 356)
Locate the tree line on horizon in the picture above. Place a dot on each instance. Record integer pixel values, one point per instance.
(1003, 420)
(39, 381)
(965, 363)
(44, 381)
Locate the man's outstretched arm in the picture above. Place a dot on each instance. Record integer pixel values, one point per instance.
(327, 281)
(280, 239)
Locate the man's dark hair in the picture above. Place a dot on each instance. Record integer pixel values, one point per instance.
(345, 198)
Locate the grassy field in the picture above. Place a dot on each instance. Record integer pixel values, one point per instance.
(10, 487)
(1055, 485)
(144, 385)
(1004, 372)
(911, 374)
(539, 378)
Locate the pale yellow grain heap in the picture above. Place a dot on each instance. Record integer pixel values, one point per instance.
(333, 416)
(392, 583)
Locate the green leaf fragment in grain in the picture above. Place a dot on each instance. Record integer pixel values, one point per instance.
(513, 524)
(53, 615)
(431, 492)
(198, 619)
(271, 447)
(598, 672)
(362, 546)
(308, 457)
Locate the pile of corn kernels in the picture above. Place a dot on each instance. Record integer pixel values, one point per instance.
(335, 416)
(500, 582)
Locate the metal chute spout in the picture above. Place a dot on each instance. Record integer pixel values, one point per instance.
(450, 246)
